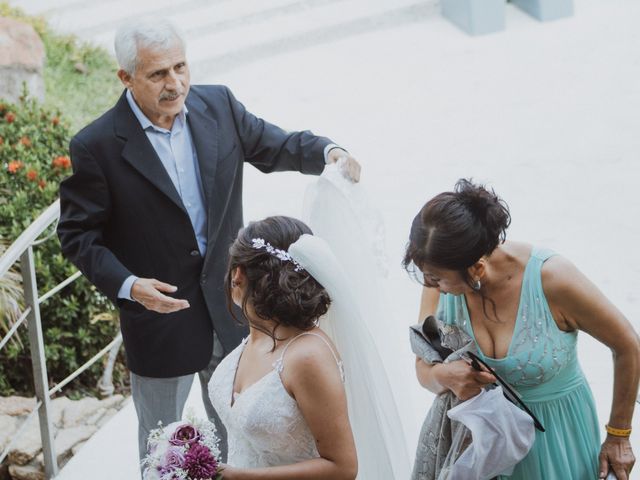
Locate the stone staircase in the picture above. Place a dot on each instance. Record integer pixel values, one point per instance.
(225, 34)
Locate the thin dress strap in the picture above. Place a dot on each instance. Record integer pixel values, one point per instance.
(279, 363)
(542, 254)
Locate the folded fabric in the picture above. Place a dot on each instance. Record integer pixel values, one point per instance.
(502, 435)
(434, 452)
(453, 339)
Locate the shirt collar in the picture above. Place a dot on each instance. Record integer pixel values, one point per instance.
(145, 123)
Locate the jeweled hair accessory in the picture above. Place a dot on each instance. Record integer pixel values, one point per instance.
(259, 243)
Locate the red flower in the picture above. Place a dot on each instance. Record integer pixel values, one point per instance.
(55, 121)
(32, 175)
(61, 162)
(42, 184)
(10, 117)
(14, 166)
(26, 141)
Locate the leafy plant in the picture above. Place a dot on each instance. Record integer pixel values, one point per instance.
(10, 300)
(33, 161)
(80, 81)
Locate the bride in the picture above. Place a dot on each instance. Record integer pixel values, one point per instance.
(280, 393)
(305, 393)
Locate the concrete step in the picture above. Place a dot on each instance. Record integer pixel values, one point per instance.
(223, 34)
(284, 23)
(219, 51)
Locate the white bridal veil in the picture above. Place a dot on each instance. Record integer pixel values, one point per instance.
(346, 256)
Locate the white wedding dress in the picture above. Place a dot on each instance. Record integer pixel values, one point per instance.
(264, 425)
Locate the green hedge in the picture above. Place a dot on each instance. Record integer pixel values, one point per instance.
(79, 321)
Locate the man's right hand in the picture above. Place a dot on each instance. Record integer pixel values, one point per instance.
(148, 293)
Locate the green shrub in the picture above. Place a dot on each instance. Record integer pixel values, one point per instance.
(78, 322)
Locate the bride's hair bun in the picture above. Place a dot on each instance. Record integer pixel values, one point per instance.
(276, 289)
(455, 229)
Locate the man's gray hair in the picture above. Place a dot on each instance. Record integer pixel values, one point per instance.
(158, 34)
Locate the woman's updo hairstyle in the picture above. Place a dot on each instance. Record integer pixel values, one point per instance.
(455, 229)
(274, 288)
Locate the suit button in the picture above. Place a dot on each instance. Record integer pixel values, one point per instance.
(203, 279)
(194, 253)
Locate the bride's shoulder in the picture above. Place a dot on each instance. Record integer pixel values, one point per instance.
(310, 353)
(312, 344)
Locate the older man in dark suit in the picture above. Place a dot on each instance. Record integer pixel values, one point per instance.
(154, 201)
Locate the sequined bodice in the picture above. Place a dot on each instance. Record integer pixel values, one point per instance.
(541, 360)
(264, 424)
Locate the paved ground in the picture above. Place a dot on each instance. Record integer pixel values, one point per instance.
(547, 113)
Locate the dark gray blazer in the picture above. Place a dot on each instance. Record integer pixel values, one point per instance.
(121, 215)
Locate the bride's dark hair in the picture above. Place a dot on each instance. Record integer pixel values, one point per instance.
(275, 289)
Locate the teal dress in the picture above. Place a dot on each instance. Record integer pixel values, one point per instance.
(542, 365)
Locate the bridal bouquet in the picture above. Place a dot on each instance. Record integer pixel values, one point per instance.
(184, 450)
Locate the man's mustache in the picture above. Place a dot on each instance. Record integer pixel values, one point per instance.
(170, 96)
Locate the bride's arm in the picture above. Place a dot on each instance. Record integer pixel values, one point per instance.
(456, 376)
(312, 377)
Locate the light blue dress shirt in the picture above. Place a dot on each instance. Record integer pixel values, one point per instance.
(178, 156)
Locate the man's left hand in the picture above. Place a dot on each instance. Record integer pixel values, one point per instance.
(348, 165)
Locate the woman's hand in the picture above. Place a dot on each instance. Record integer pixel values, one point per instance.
(616, 455)
(228, 472)
(462, 379)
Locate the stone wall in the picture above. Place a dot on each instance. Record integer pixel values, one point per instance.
(74, 421)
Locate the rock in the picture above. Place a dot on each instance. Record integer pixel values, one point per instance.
(28, 445)
(57, 408)
(15, 406)
(8, 426)
(108, 405)
(77, 412)
(94, 418)
(76, 448)
(27, 472)
(22, 57)
(65, 441)
(106, 417)
(4, 471)
(113, 401)
(81, 68)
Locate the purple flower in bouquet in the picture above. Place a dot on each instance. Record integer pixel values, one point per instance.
(199, 462)
(185, 435)
(173, 459)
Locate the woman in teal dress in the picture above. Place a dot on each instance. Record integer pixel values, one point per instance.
(523, 306)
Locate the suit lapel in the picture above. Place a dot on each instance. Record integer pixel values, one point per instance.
(204, 133)
(140, 154)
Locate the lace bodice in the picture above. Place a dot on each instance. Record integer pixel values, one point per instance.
(264, 424)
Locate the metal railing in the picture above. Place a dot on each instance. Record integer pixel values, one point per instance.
(22, 250)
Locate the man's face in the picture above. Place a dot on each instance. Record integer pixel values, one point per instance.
(160, 83)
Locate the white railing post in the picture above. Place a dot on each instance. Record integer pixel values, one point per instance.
(105, 385)
(38, 361)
